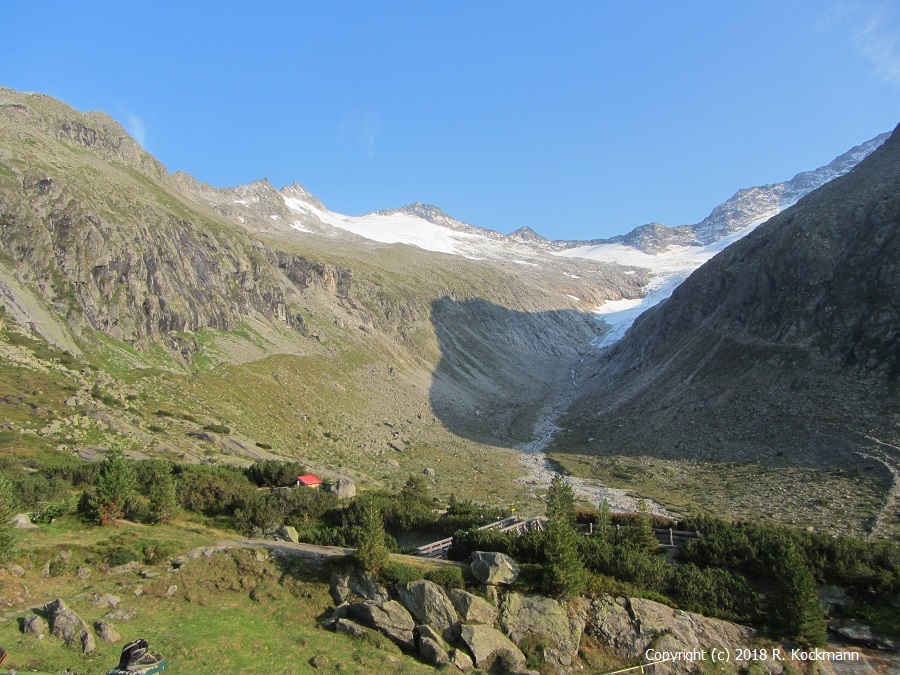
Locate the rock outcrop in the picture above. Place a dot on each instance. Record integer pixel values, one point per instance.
(492, 649)
(343, 488)
(526, 617)
(471, 608)
(428, 603)
(354, 584)
(633, 625)
(66, 625)
(389, 618)
(494, 568)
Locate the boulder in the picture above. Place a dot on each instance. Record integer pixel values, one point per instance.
(353, 629)
(432, 647)
(17, 570)
(106, 632)
(471, 608)
(428, 603)
(34, 625)
(343, 488)
(342, 611)
(68, 626)
(535, 616)
(632, 625)
(106, 600)
(494, 568)
(354, 584)
(22, 521)
(389, 618)
(84, 573)
(289, 533)
(428, 472)
(124, 615)
(491, 649)
(462, 660)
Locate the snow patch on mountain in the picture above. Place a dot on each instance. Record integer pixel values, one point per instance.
(669, 268)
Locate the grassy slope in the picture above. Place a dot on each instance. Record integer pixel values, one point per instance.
(238, 610)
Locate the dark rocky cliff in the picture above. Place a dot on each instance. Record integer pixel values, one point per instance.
(785, 347)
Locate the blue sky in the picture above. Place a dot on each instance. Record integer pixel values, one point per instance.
(578, 119)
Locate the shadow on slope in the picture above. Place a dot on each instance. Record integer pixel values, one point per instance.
(499, 367)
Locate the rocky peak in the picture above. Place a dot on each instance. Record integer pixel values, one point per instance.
(297, 191)
(527, 236)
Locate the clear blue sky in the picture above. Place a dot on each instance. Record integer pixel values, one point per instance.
(578, 119)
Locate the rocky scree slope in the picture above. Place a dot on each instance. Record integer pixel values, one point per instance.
(784, 348)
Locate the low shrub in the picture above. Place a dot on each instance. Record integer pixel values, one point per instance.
(448, 577)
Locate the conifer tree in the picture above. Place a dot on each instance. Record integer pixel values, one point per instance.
(163, 499)
(564, 571)
(797, 611)
(371, 553)
(115, 482)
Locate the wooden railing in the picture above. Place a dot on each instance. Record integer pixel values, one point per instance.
(667, 537)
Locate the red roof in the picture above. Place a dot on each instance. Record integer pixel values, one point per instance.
(309, 479)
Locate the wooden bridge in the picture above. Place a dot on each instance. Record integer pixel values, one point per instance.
(667, 538)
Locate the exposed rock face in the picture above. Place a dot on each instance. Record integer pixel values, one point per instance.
(68, 626)
(527, 616)
(343, 488)
(494, 568)
(631, 626)
(389, 618)
(755, 343)
(471, 608)
(353, 584)
(489, 646)
(428, 603)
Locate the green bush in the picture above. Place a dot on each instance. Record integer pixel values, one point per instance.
(394, 574)
(449, 577)
(218, 428)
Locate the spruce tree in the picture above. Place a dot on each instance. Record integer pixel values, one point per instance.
(163, 499)
(8, 536)
(797, 611)
(371, 554)
(564, 571)
(116, 481)
(561, 500)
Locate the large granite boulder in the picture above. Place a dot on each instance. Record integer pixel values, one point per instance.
(389, 618)
(492, 649)
(68, 626)
(471, 608)
(354, 584)
(534, 616)
(494, 568)
(633, 625)
(289, 533)
(343, 488)
(353, 629)
(428, 603)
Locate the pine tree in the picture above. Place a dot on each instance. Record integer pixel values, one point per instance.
(163, 499)
(645, 535)
(371, 554)
(797, 612)
(8, 537)
(116, 481)
(561, 500)
(564, 571)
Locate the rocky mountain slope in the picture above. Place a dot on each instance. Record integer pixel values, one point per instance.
(242, 304)
(783, 349)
